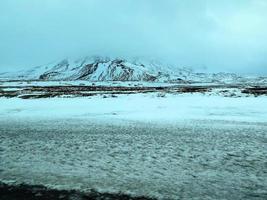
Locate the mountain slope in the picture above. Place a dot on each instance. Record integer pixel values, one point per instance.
(93, 69)
(106, 69)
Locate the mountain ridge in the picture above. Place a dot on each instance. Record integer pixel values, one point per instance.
(119, 69)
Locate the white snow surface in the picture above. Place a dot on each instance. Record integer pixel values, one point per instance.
(140, 107)
(182, 146)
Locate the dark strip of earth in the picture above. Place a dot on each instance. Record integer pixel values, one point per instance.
(39, 192)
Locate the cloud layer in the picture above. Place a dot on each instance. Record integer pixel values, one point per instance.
(205, 34)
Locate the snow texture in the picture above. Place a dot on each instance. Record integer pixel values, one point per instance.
(182, 146)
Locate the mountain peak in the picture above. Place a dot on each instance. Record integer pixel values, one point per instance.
(100, 69)
(97, 68)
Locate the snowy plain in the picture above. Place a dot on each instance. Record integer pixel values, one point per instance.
(140, 107)
(180, 146)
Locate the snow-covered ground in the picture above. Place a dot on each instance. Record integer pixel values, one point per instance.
(85, 83)
(140, 107)
(183, 146)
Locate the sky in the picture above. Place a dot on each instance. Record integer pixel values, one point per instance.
(207, 35)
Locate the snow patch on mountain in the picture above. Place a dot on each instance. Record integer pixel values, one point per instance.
(117, 69)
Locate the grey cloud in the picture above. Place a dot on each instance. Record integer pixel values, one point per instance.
(217, 35)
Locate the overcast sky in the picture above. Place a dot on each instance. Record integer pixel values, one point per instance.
(218, 35)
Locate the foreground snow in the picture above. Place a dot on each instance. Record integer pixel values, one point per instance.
(174, 147)
(140, 107)
(207, 159)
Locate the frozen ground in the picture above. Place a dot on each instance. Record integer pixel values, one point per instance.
(187, 146)
(140, 107)
(86, 83)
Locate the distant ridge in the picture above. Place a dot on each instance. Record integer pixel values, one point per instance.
(118, 69)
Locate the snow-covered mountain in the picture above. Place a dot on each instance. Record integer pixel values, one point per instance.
(93, 69)
(107, 69)
(98, 69)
